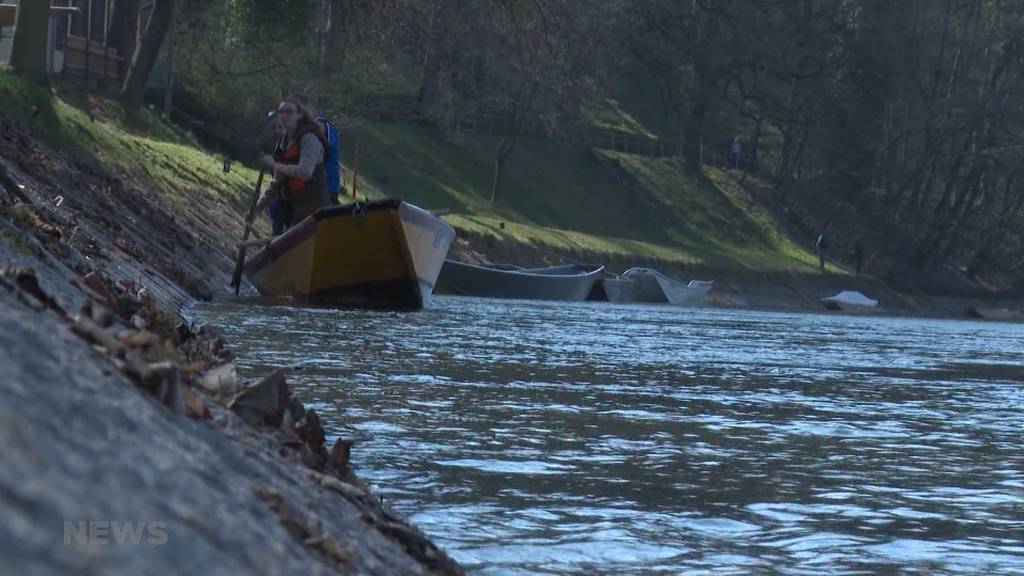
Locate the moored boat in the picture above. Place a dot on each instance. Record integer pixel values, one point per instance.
(571, 282)
(649, 285)
(614, 289)
(380, 254)
(849, 301)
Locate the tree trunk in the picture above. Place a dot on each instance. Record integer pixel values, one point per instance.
(505, 148)
(28, 52)
(146, 54)
(749, 166)
(705, 79)
(510, 137)
(693, 133)
(124, 30)
(435, 54)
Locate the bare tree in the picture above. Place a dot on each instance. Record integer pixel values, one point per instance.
(124, 30)
(146, 54)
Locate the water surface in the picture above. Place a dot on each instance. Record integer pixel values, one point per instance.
(533, 437)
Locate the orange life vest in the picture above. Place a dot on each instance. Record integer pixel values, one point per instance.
(295, 187)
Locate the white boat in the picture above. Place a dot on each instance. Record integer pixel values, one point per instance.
(849, 301)
(615, 289)
(649, 285)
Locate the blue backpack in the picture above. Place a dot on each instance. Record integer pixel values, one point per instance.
(332, 166)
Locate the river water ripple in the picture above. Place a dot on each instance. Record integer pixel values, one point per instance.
(531, 437)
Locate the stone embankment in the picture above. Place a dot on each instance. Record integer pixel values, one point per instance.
(130, 443)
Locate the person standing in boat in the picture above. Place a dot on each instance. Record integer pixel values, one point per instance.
(276, 208)
(300, 184)
(332, 164)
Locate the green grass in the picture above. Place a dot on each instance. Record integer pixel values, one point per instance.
(561, 198)
(144, 146)
(608, 113)
(553, 196)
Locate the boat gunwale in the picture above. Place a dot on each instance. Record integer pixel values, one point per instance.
(597, 269)
(706, 285)
(282, 244)
(309, 226)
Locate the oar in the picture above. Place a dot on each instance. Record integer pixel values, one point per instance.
(236, 278)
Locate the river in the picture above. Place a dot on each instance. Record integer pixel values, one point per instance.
(530, 437)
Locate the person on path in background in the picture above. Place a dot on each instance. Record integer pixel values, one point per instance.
(858, 256)
(300, 184)
(822, 246)
(736, 152)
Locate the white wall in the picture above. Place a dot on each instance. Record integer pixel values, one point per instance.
(5, 45)
(54, 58)
(6, 33)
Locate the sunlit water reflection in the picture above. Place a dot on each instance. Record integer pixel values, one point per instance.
(543, 437)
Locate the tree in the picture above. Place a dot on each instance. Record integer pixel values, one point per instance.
(124, 29)
(28, 52)
(146, 54)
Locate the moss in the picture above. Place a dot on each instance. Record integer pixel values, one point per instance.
(20, 215)
(17, 242)
(608, 113)
(142, 146)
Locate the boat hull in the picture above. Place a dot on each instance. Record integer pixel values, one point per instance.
(525, 284)
(620, 290)
(653, 286)
(385, 254)
(844, 307)
(850, 301)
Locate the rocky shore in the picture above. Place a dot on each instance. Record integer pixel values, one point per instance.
(131, 445)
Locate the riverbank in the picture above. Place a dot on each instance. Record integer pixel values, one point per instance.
(131, 445)
(112, 420)
(779, 290)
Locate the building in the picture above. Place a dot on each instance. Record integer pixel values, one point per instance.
(78, 40)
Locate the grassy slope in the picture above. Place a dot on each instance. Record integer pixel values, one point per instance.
(145, 148)
(562, 199)
(556, 199)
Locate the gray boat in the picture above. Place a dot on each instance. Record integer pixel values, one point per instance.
(571, 282)
(649, 285)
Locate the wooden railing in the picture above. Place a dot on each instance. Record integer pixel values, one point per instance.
(407, 109)
(98, 61)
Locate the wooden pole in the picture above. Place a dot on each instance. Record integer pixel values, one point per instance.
(236, 277)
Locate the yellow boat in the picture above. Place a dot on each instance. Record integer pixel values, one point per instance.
(380, 254)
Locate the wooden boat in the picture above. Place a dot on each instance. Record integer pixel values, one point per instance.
(381, 254)
(571, 282)
(649, 285)
(849, 301)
